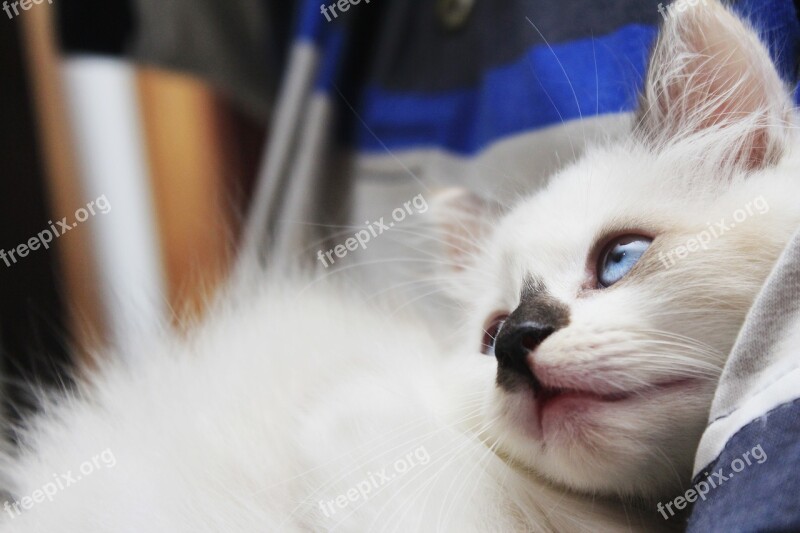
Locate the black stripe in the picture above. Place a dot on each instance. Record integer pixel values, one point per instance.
(416, 51)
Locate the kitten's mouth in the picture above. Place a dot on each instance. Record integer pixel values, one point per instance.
(545, 395)
(550, 396)
(546, 403)
(554, 404)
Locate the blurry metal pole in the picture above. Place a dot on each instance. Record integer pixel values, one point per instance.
(282, 143)
(298, 225)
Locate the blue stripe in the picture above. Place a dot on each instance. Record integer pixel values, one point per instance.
(331, 60)
(311, 22)
(546, 86)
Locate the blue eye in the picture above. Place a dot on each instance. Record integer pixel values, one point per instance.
(619, 257)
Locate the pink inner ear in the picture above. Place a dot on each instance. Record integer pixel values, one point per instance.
(727, 93)
(710, 73)
(464, 220)
(726, 75)
(461, 226)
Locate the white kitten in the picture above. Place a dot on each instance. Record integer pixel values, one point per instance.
(297, 408)
(631, 274)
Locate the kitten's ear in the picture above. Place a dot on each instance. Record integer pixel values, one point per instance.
(711, 84)
(464, 221)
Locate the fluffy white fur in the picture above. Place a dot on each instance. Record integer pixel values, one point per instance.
(294, 395)
(286, 400)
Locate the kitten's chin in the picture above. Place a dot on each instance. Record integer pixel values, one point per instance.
(623, 443)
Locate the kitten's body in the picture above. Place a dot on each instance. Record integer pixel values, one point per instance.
(260, 419)
(297, 408)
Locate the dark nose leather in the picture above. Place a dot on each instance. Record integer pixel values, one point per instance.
(515, 342)
(537, 316)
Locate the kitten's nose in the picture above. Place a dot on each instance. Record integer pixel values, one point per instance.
(516, 341)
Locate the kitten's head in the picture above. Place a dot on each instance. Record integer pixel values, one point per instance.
(608, 302)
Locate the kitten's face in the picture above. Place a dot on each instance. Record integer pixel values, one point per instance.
(614, 393)
(621, 287)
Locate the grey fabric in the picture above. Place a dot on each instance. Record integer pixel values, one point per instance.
(775, 310)
(238, 45)
(763, 369)
(757, 408)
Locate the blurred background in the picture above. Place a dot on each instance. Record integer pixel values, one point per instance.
(161, 108)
